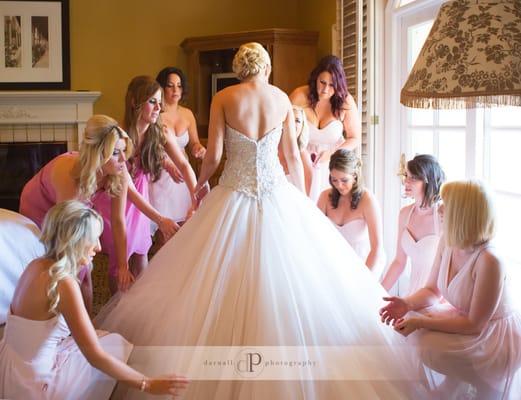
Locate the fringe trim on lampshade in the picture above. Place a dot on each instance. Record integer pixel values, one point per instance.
(468, 101)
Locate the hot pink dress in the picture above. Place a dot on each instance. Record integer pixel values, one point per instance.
(137, 224)
(40, 360)
(38, 195)
(494, 355)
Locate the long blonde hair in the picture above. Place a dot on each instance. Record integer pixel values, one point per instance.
(68, 228)
(99, 140)
(151, 149)
(469, 215)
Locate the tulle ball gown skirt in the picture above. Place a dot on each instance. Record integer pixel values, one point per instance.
(254, 273)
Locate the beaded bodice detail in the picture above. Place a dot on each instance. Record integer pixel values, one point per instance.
(252, 166)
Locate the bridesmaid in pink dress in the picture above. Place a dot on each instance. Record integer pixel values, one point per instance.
(478, 344)
(142, 108)
(38, 357)
(98, 167)
(353, 210)
(331, 112)
(418, 224)
(170, 194)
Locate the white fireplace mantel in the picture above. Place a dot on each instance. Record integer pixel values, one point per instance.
(47, 108)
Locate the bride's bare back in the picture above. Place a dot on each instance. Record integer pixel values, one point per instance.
(253, 108)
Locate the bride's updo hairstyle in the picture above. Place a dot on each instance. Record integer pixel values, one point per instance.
(250, 59)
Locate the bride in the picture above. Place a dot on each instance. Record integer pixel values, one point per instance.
(259, 265)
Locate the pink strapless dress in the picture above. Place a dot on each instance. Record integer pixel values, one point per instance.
(38, 195)
(357, 235)
(421, 254)
(170, 198)
(137, 224)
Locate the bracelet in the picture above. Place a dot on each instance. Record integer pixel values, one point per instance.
(143, 385)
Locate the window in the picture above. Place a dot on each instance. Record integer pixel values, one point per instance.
(480, 143)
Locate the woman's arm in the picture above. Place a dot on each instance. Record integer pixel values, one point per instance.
(290, 148)
(176, 155)
(84, 334)
(166, 225)
(397, 266)
(308, 169)
(196, 148)
(352, 125)
(371, 212)
(488, 286)
(323, 201)
(119, 234)
(216, 129)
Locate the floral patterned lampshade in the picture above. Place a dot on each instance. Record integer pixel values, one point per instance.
(471, 58)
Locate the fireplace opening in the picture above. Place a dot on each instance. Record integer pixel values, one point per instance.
(19, 162)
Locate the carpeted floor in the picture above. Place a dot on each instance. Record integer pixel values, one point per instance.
(100, 281)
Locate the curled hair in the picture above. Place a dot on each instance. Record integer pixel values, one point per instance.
(348, 162)
(426, 168)
(469, 215)
(333, 65)
(150, 151)
(68, 228)
(303, 134)
(250, 60)
(99, 140)
(162, 79)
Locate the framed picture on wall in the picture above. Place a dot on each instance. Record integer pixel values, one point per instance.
(34, 45)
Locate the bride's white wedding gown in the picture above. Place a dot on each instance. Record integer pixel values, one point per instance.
(259, 265)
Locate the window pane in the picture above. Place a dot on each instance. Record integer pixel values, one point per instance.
(452, 117)
(504, 156)
(420, 117)
(452, 153)
(421, 141)
(509, 221)
(505, 116)
(417, 35)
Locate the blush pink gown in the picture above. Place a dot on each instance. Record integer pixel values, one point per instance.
(493, 356)
(40, 360)
(327, 138)
(170, 198)
(421, 254)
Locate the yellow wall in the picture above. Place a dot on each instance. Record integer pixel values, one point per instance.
(115, 40)
(318, 15)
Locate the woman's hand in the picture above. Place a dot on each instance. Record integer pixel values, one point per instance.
(406, 326)
(174, 172)
(198, 151)
(167, 384)
(394, 310)
(125, 278)
(168, 227)
(322, 157)
(201, 190)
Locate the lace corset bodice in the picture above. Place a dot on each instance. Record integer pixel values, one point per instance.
(252, 166)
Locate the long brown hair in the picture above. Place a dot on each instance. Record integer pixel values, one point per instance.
(348, 162)
(151, 150)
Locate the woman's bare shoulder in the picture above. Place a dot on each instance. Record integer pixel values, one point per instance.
(299, 96)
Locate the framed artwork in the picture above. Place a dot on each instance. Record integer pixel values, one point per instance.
(34, 45)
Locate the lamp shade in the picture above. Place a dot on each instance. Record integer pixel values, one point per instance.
(471, 58)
